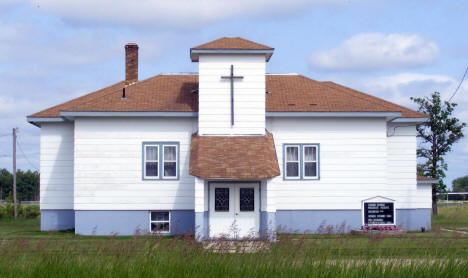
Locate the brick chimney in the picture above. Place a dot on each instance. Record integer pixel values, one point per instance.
(131, 63)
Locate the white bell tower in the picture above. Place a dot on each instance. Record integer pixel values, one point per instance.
(231, 86)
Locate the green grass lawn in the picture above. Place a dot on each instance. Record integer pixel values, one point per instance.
(27, 252)
(454, 218)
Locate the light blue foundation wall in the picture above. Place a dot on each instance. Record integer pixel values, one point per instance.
(189, 222)
(317, 221)
(414, 219)
(56, 220)
(121, 222)
(342, 221)
(201, 226)
(268, 225)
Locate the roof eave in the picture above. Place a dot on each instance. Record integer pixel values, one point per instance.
(211, 178)
(427, 182)
(387, 115)
(416, 120)
(70, 115)
(37, 121)
(195, 53)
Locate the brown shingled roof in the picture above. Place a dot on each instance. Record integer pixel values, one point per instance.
(233, 157)
(175, 93)
(232, 43)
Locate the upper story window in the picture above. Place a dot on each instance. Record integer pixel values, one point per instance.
(301, 162)
(160, 160)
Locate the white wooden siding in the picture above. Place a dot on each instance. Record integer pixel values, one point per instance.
(402, 163)
(215, 96)
(357, 161)
(56, 163)
(108, 164)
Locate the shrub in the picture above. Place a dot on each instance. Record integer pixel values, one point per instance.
(3, 213)
(9, 210)
(31, 211)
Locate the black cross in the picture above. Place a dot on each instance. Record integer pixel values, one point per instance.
(232, 77)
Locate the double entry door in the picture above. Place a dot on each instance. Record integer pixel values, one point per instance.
(234, 210)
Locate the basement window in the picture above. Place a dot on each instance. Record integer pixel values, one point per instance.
(160, 222)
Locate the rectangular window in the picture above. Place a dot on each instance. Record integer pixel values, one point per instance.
(151, 161)
(247, 199)
(301, 161)
(160, 160)
(221, 199)
(160, 222)
(292, 162)
(310, 162)
(170, 161)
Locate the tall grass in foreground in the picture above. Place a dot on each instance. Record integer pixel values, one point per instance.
(144, 256)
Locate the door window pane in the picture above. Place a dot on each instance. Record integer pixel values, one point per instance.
(221, 199)
(247, 199)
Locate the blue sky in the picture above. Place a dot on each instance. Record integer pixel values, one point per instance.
(53, 50)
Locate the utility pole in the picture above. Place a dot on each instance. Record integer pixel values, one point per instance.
(15, 205)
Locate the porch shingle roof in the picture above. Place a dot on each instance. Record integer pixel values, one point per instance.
(233, 157)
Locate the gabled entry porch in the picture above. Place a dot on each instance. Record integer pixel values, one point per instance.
(234, 210)
(232, 197)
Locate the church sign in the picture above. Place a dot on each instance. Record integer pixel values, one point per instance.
(378, 211)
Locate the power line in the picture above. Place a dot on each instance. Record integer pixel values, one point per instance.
(459, 84)
(25, 156)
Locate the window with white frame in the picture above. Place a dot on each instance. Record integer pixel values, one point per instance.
(170, 161)
(160, 222)
(292, 162)
(301, 161)
(160, 160)
(310, 159)
(151, 165)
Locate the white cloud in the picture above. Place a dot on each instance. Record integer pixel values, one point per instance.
(182, 13)
(400, 87)
(372, 51)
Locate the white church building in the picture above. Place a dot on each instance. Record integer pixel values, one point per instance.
(229, 151)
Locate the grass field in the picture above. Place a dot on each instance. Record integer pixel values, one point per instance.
(27, 252)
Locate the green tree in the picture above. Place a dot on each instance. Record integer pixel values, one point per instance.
(437, 136)
(27, 184)
(6, 181)
(460, 185)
